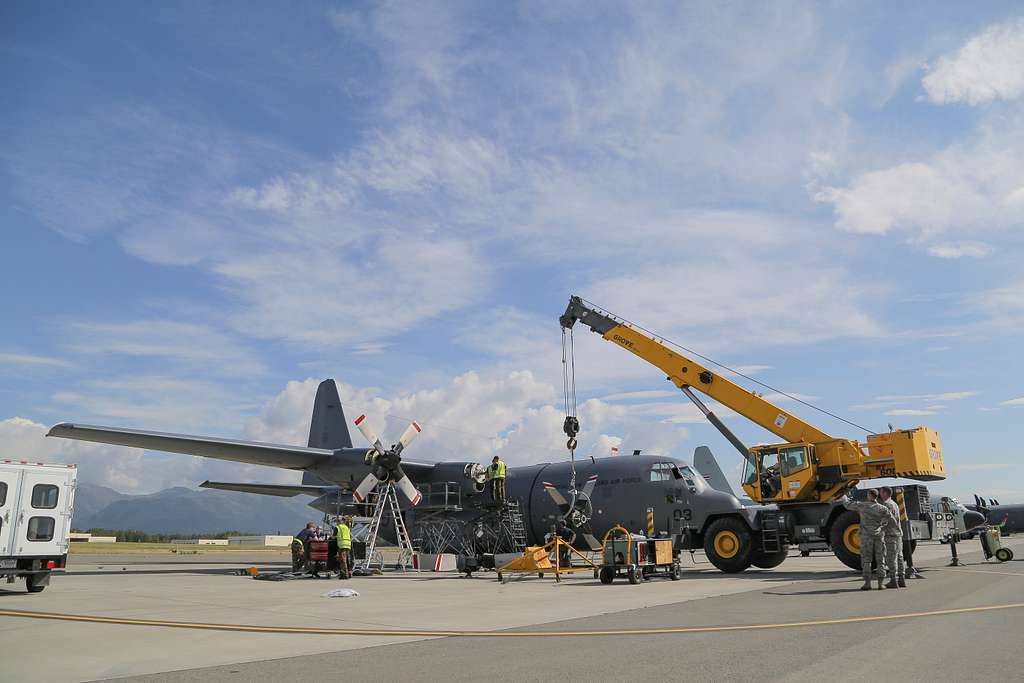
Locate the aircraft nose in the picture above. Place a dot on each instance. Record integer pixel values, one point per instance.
(973, 519)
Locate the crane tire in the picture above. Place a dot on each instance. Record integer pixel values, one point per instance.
(763, 560)
(728, 545)
(844, 540)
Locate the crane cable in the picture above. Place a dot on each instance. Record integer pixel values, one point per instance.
(571, 426)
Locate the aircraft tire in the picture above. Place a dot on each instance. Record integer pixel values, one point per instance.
(844, 539)
(763, 560)
(728, 545)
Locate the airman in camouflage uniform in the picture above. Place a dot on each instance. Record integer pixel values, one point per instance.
(892, 536)
(873, 516)
(298, 555)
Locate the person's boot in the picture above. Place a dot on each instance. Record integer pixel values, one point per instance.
(866, 586)
(881, 586)
(901, 582)
(892, 583)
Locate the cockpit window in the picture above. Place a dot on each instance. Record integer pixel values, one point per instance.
(692, 478)
(661, 471)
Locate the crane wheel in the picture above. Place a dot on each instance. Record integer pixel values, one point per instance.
(763, 560)
(844, 537)
(727, 543)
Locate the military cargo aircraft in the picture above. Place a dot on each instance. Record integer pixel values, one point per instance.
(637, 492)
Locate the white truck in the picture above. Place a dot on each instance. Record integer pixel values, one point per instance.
(36, 503)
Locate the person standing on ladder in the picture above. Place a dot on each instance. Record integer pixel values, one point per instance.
(497, 473)
(344, 533)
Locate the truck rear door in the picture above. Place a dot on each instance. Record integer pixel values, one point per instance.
(9, 477)
(42, 519)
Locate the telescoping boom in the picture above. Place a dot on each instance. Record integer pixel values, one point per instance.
(810, 466)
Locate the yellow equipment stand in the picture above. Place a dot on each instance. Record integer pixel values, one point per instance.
(537, 560)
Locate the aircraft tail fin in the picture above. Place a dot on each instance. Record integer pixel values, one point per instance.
(327, 428)
(706, 464)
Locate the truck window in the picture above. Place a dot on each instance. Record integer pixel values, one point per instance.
(793, 460)
(44, 497)
(3, 492)
(40, 528)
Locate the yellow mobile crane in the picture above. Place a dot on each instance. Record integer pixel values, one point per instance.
(800, 476)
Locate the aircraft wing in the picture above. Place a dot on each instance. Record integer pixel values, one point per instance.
(282, 490)
(252, 452)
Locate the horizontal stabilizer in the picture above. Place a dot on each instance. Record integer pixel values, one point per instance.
(282, 490)
(252, 452)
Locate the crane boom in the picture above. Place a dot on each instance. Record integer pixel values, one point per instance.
(686, 372)
(811, 466)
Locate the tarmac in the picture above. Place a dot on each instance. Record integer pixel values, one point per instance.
(190, 618)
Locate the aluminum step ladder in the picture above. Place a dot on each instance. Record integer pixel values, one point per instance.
(515, 524)
(387, 503)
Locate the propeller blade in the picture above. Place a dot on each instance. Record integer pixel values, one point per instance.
(411, 432)
(371, 436)
(588, 488)
(556, 496)
(364, 488)
(977, 501)
(406, 486)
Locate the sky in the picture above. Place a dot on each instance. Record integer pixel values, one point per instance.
(205, 209)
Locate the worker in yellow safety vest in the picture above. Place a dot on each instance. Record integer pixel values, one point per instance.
(344, 533)
(497, 473)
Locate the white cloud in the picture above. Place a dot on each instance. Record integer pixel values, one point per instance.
(632, 395)
(981, 467)
(18, 359)
(953, 250)
(985, 68)
(195, 346)
(964, 190)
(1013, 402)
(910, 412)
(946, 396)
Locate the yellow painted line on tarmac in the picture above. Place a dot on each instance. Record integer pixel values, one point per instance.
(494, 634)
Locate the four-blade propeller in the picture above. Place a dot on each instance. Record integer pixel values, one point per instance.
(577, 514)
(385, 463)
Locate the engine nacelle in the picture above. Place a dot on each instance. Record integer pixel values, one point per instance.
(470, 476)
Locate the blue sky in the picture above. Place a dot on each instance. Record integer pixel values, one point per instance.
(208, 208)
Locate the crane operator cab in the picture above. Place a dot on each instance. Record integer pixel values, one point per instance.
(778, 472)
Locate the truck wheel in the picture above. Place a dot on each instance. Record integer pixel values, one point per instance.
(607, 575)
(1004, 554)
(764, 560)
(844, 537)
(32, 585)
(728, 545)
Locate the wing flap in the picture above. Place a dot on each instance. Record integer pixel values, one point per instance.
(252, 452)
(281, 490)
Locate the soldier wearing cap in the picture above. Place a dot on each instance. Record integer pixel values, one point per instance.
(892, 537)
(873, 517)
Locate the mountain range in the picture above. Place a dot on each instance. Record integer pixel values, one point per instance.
(181, 510)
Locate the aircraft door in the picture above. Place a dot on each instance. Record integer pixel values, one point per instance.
(8, 508)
